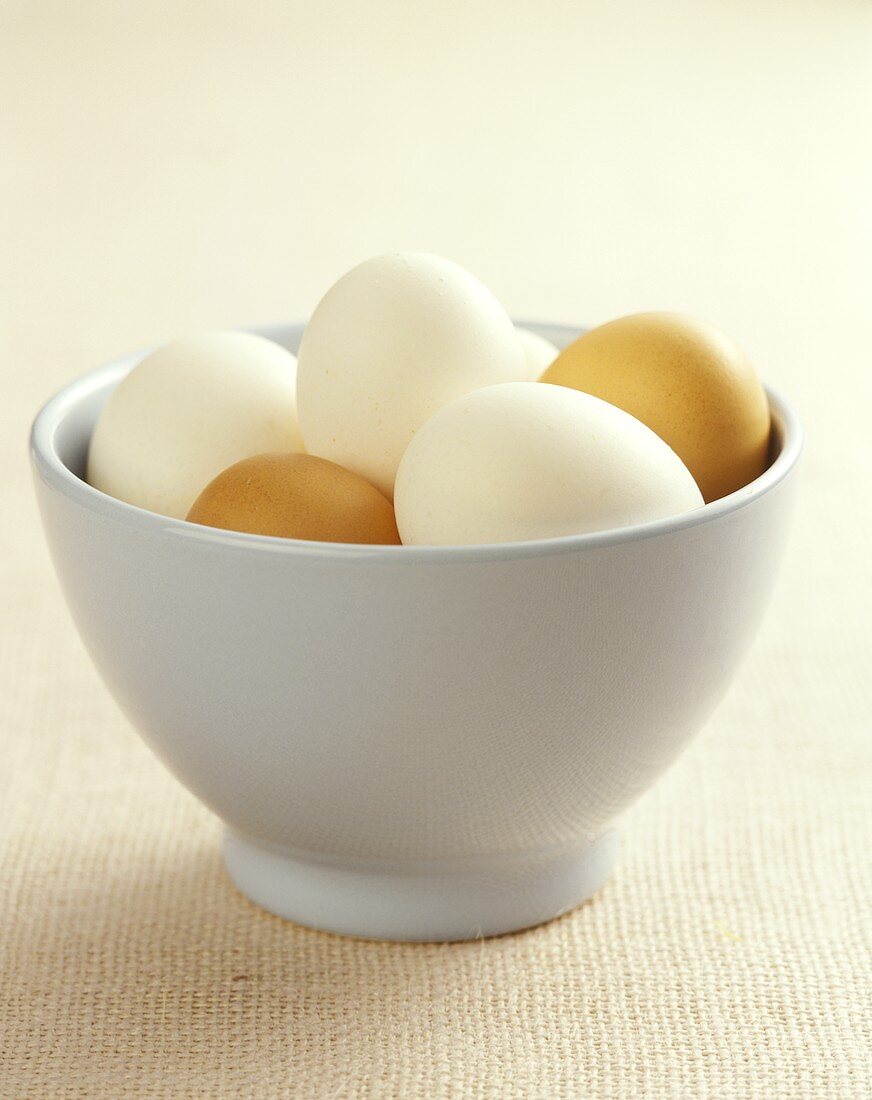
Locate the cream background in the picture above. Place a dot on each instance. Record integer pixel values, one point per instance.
(166, 167)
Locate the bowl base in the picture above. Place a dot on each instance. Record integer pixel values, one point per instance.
(419, 900)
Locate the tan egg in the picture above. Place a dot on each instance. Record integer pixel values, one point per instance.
(688, 382)
(296, 496)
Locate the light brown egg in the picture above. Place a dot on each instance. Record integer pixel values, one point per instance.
(688, 382)
(296, 496)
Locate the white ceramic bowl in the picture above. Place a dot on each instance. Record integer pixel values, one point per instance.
(420, 743)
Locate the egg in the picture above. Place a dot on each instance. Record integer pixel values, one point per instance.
(388, 345)
(539, 352)
(189, 410)
(688, 382)
(296, 496)
(523, 461)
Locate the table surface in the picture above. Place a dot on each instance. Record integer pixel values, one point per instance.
(168, 168)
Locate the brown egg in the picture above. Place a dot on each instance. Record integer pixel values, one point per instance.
(296, 496)
(689, 383)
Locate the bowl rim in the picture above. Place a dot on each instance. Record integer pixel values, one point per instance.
(52, 471)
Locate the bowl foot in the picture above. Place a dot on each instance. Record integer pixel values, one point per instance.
(419, 900)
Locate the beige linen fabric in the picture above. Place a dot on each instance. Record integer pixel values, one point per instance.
(167, 168)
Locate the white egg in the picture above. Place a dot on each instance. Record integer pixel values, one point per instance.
(188, 411)
(393, 341)
(526, 460)
(540, 353)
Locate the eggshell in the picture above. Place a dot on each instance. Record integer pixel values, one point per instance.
(296, 496)
(189, 410)
(525, 461)
(394, 340)
(539, 352)
(688, 382)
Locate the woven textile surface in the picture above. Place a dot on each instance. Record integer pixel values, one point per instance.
(167, 168)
